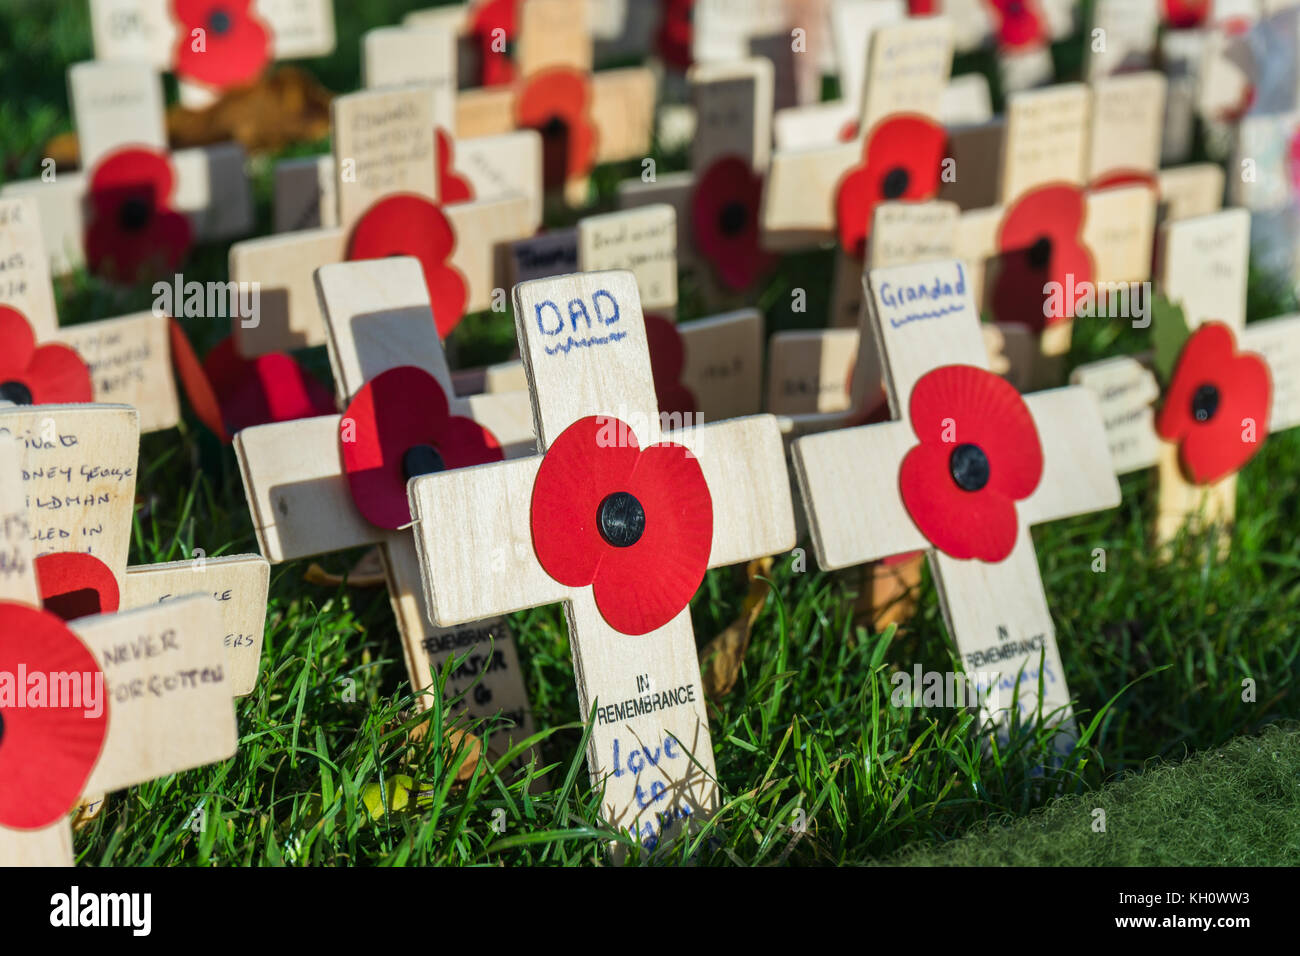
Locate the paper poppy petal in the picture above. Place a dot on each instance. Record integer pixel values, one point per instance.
(46, 752)
(495, 15)
(1185, 14)
(961, 404)
(452, 187)
(409, 225)
(590, 460)
(1048, 218)
(1019, 23)
(268, 388)
(556, 102)
(667, 359)
(642, 587)
(74, 585)
(195, 381)
(396, 410)
(57, 375)
(232, 54)
(962, 524)
(129, 173)
(17, 343)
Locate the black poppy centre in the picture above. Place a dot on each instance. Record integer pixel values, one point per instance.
(732, 218)
(621, 519)
(16, 392)
(969, 466)
(219, 22)
(895, 183)
(134, 214)
(1039, 254)
(421, 460)
(1205, 402)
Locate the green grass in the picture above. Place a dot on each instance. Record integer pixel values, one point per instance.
(814, 764)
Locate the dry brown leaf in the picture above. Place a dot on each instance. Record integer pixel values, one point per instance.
(723, 655)
(889, 593)
(457, 739)
(366, 573)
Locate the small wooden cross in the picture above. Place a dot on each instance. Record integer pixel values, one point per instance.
(483, 534)
(79, 467)
(378, 319)
(928, 333)
(159, 671)
(1203, 269)
(128, 358)
(118, 105)
(384, 150)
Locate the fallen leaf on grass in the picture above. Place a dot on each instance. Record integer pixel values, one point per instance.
(366, 573)
(723, 655)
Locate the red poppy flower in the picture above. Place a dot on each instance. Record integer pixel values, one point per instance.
(724, 221)
(1020, 24)
(398, 426)
(31, 375)
(673, 41)
(979, 454)
(1185, 14)
(557, 103)
(452, 187)
(901, 157)
(921, 8)
(637, 525)
(1293, 161)
(409, 225)
(1116, 178)
(132, 232)
(1040, 242)
(495, 21)
(235, 46)
(1216, 394)
(667, 359)
(74, 585)
(48, 745)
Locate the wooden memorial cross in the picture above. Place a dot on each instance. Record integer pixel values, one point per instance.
(128, 697)
(717, 202)
(230, 48)
(127, 360)
(606, 504)
(195, 194)
(79, 467)
(1245, 380)
(585, 118)
(484, 168)
(388, 204)
(923, 482)
(300, 488)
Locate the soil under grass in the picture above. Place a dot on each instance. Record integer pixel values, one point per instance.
(815, 765)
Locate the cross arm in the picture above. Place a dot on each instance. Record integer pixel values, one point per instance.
(1278, 341)
(1126, 390)
(1077, 473)
(849, 482)
(744, 464)
(283, 265)
(297, 492)
(474, 537)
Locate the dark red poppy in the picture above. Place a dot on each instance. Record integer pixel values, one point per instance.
(233, 49)
(399, 425)
(410, 225)
(901, 160)
(979, 454)
(725, 221)
(48, 744)
(921, 8)
(637, 525)
(74, 585)
(133, 233)
(31, 375)
(1217, 405)
(667, 359)
(557, 103)
(1020, 24)
(1293, 161)
(673, 41)
(493, 28)
(1040, 247)
(452, 187)
(1185, 14)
